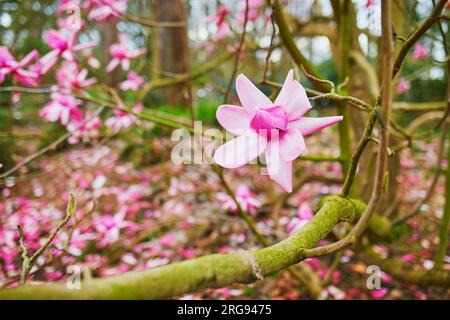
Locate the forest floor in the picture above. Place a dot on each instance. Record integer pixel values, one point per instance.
(134, 217)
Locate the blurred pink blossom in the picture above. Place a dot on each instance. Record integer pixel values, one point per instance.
(379, 293)
(10, 66)
(109, 227)
(104, 10)
(253, 10)
(187, 253)
(122, 119)
(62, 108)
(86, 130)
(70, 77)
(133, 82)
(304, 214)
(369, 4)
(407, 257)
(246, 198)
(419, 52)
(403, 86)
(62, 44)
(123, 52)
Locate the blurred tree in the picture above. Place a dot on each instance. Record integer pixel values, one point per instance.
(174, 49)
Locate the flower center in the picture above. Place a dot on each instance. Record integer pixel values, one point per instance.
(269, 121)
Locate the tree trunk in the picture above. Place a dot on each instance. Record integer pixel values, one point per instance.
(174, 49)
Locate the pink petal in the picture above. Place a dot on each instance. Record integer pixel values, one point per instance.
(249, 95)
(241, 150)
(233, 119)
(308, 125)
(126, 64)
(112, 65)
(48, 61)
(89, 82)
(28, 58)
(26, 77)
(84, 46)
(279, 170)
(283, 97)
(295, 101)
(292, 144)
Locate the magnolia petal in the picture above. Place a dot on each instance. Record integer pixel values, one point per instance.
(48, 61)
(112, 65)
(292, 144)
(293, 99)
(249, 95)
(233, 119)
(241, 150)
(28, 58)
(308, 125)
(279, 170)
(283, 96)
(126, 64)
(84, 46)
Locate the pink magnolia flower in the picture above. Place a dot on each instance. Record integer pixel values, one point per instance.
(133, 82)
(104, 10)
(9, 65)
(69, 77)
(62, 108)
(276, 128)
(122, 119)
(419, 52)
(403, 86)
(246, 198)
(122, 53)
(304, 214)
(62, 44)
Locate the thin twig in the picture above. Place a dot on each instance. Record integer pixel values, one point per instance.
(272, 37)
(238, 53)
(29, 261)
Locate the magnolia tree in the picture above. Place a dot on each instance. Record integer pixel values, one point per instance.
(260, 176)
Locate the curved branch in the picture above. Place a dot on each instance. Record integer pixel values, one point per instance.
(434, 17)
